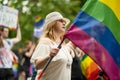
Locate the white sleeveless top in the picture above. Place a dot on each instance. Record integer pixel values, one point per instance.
(60, 67)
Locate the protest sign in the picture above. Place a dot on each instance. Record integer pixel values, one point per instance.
(8, 17)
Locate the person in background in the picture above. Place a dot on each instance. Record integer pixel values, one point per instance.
(60, 66)
(76, 68)
(25, 64)
(6, 55)
(10, 42)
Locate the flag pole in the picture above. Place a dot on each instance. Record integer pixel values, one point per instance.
(48, 62)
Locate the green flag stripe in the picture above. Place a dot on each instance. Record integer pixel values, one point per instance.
(105, 15)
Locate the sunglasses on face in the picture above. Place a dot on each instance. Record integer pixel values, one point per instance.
(61, 20)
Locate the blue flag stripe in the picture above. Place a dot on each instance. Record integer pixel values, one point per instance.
(100, 32)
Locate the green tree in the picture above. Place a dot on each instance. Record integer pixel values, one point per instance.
(29, 9)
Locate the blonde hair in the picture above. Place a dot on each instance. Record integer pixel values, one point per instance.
(49, 31)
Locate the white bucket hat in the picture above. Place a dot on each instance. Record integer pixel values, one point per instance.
(53, 16)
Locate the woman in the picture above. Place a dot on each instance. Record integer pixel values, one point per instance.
(25, 65)
(76, 68)
(60, 67)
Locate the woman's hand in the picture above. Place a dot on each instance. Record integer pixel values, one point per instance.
(53, 52)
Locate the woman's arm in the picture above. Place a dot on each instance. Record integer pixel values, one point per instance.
(30, 52)
(75, 50)
(40, 62)
(18, 36)
(71, 45)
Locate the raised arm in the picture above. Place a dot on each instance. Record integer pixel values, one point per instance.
(18, 36)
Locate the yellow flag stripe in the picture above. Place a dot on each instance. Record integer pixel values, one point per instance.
(86, 62)
(114, 5)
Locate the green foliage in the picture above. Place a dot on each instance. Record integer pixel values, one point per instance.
(69, 9)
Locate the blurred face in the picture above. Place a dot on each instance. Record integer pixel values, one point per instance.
(5, 33)
(28, 44)
(60, 26)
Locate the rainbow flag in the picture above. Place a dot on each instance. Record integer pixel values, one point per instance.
(38, 29)
(15, 69)
(37, 19)
(89, 68)
(96, 31)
